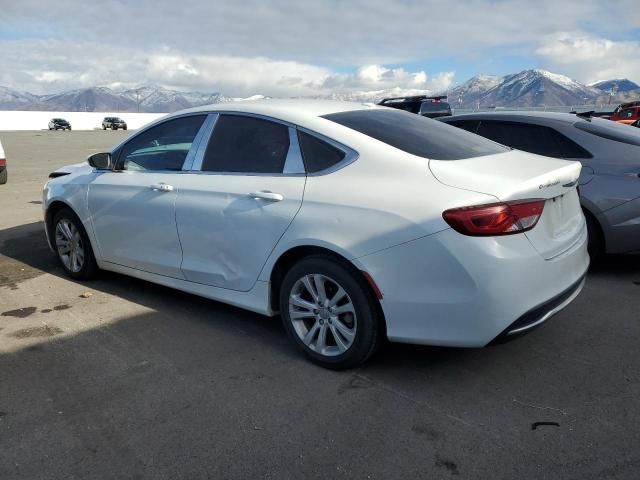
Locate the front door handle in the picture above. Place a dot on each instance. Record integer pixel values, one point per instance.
(267, 195)
(162, 187)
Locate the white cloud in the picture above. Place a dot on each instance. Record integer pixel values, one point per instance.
(41, 67)
(590, 58)
(287, 47)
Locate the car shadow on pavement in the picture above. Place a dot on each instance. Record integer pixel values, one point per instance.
(24, 254)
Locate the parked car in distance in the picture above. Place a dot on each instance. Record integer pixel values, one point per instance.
(59, 124)
(446, 240)
(626, 113)
(3, 166)
(114, 123)
(610, 157)
(431, 107)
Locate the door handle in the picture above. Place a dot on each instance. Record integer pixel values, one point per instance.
(267, 195)
(162, 187)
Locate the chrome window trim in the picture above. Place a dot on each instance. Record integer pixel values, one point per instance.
(350, 155)
(293, 164)
(207, 129)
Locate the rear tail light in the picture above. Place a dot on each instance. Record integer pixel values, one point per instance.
(503, 218)
(3, 162)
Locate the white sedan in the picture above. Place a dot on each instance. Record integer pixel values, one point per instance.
(354, 222)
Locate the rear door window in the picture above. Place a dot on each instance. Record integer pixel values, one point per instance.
(530, 138)
(416, 134)
(244, 144)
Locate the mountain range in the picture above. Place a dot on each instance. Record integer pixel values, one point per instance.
(529, 88)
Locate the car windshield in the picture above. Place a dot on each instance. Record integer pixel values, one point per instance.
(417, 135)
(617, 132)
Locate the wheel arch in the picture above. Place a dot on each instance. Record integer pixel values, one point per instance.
(291, 256)
(52, 209)
(602, 237)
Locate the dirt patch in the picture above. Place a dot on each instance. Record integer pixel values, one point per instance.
(24, 255)
(62, 307)
(19, 312)
(44, 331)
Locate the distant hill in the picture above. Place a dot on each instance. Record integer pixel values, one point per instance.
(529, 88)
(618, 85)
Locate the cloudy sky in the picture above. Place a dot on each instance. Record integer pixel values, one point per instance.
(301, 47)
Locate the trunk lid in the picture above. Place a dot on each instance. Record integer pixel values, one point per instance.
(517, 175)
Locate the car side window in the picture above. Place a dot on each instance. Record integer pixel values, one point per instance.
(245, 144)
(162, 147)
(536, 139)
(317, 154)
(626, 113)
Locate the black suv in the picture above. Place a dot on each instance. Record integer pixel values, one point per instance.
(431, 107)
(59, 124)
(114, 123)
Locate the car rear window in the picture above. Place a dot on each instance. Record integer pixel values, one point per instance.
(532, 138)
(434, 107)
(416, 134)
(610, 130)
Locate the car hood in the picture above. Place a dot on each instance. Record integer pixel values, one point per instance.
(82, 167)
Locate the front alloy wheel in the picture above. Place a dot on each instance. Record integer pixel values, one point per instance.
(70, 246)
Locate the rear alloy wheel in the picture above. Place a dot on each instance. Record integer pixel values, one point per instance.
(329, 311)
(4, 176)
(73, 247)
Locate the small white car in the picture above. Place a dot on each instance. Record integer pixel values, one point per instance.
(355, 222)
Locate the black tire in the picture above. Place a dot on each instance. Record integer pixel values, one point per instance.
(124, 128)
(596, 239)
(4, 176)
(103, 127)
(89, 268)
(69, 128)
(368, 322)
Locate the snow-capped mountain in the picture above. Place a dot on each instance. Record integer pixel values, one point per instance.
(104, 99)
(15, 100)
(531, 88)
(158, 99)
(94, 99)
(524, 89)
(617, 84)
(468, 93)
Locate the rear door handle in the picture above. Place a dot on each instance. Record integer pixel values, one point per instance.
(162, 187)
(267, 195)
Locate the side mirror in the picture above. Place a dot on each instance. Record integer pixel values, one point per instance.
(101, 161)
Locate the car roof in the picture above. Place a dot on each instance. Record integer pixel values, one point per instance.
(291, 110)
(568, 118)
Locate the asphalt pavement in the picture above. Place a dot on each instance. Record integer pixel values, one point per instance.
(120, 378)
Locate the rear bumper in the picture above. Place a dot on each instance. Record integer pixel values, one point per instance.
(540, 314)
(453, 290)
